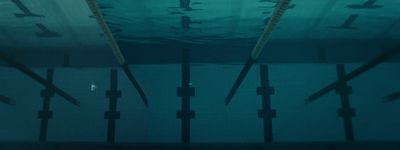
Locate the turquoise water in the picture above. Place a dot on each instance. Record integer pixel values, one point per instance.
(312, 37)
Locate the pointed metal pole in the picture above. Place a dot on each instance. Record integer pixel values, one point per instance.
(135, 83)
(355, 73)
(392, 97)
(7, 100)
(39, 79)
(115, 48)
(258, 48)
